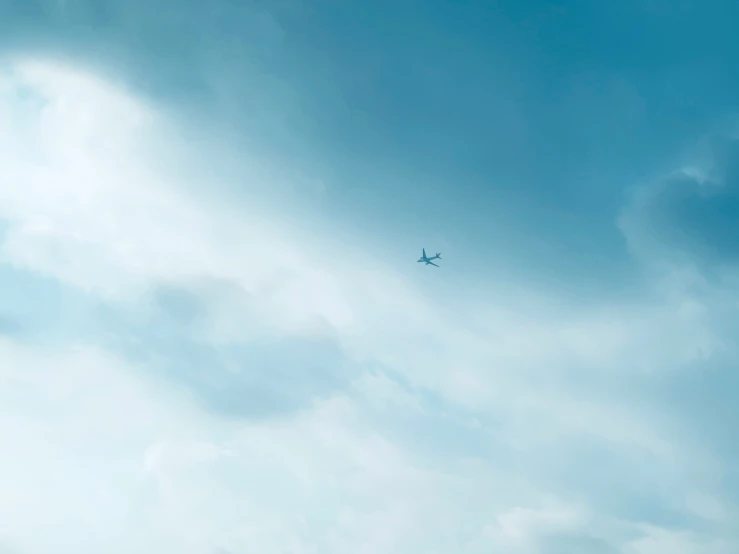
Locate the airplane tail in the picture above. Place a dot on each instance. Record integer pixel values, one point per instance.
(438, 255)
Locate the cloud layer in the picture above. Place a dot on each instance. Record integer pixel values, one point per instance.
(232, 378)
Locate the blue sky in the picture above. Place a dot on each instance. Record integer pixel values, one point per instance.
(214, 337)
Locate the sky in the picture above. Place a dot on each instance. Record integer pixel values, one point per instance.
(215, 337)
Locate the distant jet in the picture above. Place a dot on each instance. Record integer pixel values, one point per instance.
(427, 260)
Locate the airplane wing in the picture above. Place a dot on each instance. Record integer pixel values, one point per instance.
(424, 252)
(433, 264)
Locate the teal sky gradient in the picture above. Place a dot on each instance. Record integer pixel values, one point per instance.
(214, 337)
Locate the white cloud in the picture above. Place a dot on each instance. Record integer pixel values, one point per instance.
(520, 527)
(105, 461)
(662, 540)
(100, 444)
(75, 425)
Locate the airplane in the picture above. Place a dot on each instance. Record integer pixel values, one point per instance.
(427, 260)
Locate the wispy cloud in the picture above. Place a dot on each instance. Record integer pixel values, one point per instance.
(246, 380)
